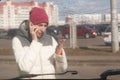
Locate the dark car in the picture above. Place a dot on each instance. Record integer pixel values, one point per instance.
(11, 33)
(8, 34)
(82, 31)
(100, 28)
(53, 31)
(3, 33)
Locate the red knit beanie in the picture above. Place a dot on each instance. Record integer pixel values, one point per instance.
(38, 15)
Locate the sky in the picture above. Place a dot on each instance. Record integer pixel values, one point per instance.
(68, 7)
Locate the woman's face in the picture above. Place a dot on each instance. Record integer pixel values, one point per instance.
(40, 29)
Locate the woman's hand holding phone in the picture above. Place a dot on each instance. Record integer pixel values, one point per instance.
(59, 47)
(33, 31)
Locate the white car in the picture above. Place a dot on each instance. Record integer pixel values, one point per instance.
(107, 35)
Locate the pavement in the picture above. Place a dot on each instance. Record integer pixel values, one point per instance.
(88, 66)
(81, 59)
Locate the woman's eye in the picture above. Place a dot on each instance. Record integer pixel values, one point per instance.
(42, 25)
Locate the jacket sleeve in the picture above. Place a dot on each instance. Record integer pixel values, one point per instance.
(60, 60)
(25, 56)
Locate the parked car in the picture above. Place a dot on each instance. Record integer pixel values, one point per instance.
(82, 31)
(107, 35)
(99, 27)
(8, 34)
(53, 31)
(3, 34)
(11, 33)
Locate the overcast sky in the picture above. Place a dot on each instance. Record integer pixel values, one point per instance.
(79, 6)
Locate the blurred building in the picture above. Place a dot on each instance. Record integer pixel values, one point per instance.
(13, 13)
(90, 18)
(85, 18)
(107, 18)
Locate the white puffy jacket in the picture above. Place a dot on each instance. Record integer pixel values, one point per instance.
(39, 59)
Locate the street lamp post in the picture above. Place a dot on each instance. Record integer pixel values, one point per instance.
(73, 35)
(114, 22)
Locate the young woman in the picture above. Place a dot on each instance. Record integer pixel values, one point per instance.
(37, 52)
